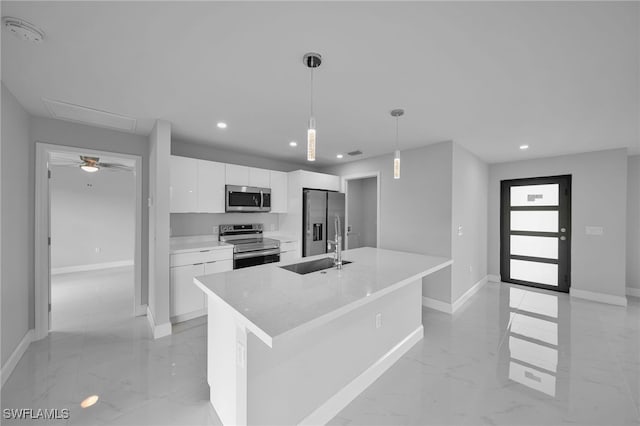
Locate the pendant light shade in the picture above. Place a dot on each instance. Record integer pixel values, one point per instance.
(311, 60)
(396, 165)
(397, 113)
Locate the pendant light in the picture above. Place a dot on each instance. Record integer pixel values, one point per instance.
(311, 60)
(397, 113)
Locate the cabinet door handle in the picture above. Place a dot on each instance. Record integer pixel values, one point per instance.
(213, 261)
(196, 264)
(204, 251)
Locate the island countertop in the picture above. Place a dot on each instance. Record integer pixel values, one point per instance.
(273, 302)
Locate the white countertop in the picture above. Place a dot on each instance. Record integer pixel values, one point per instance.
(196, 243)
(273, 302)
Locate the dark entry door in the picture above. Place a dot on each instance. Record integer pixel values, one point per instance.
(535, 237)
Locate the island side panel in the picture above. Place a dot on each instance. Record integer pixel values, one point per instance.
(288, 382)
(226, 364)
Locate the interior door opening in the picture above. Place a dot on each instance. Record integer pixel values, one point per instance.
(535, 237)
(362, 211)
(92, 228)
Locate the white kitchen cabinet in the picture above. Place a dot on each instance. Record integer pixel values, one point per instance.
(237, 175)
(259, 177)
(183, 178)
(211, 180)
(315, 180)
(186, 298)
(278, 192)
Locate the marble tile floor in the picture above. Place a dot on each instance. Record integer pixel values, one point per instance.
(511, 355)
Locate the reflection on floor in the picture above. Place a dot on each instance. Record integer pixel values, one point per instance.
(512, 355)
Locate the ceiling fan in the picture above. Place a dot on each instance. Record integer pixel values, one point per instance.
(90, 164)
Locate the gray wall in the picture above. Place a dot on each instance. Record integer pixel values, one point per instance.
(211, 153)
(159, 156)
(187, 224)
(415, 211)
(17, 180)
(470, 195)
(362, 204)
(82, 136)
(599, 198)
(91, 211)
(633, 223)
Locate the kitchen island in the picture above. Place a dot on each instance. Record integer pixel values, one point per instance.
(285, 348)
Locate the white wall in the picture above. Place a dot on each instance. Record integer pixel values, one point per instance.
(469, 199)
(416, 210)
(159, 156)
(599, 198)
(17, 223)
(91, 211)
(59, 132)
(633, 223)
(362, 205)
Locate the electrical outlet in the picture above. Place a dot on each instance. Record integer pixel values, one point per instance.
(470, 268)
(378, 320)
(215, 229)
(272, 227)
(241, 355)
(97, 249)
(460, 232)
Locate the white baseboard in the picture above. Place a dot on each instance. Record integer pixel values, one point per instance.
(160, 330)
(598, 297)
(141, 310)
(451, 308)
(438, 305)
(494, 278)
(189, 316)
(632, 291)
(11, 363)
(91, 267)
(323, 414)
(467, 294)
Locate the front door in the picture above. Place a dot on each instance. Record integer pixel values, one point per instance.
(535, 237)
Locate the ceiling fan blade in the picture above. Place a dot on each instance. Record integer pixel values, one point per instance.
(114, 166)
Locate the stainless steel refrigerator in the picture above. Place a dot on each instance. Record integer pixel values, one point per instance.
(319, 209)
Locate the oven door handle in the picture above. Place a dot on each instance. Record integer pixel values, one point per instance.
(261, 199)
(255, 254)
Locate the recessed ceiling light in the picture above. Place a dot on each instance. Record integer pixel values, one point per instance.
(221, 125)
(339, 156)
(524, 146)
(293, 143)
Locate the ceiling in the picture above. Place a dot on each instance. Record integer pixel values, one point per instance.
(560, 77)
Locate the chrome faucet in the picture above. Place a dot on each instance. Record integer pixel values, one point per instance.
(337, 242)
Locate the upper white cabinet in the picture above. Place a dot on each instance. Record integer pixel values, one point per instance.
(259, 177)
(278, 191)
(237, 175)
(183, 188)
(211, 193)
(319, 181)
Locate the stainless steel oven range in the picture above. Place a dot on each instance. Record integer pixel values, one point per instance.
(250, 248)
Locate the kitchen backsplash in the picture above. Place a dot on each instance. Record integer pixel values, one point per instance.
(187, 224)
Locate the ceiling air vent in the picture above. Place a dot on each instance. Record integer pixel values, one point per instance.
(94, 117)
(354, 153)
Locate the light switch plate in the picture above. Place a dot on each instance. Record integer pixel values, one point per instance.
(594, 230)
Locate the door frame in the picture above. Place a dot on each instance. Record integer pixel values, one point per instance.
(345, 189)
(564, 221)
(43, 231)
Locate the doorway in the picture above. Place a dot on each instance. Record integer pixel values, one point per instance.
(362, 210)
(89, 259)
(535, 237)
(92, 228)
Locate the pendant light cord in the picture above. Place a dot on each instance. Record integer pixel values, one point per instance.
(397, 144)
(311, 97)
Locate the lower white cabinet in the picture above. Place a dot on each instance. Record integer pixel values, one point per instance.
(186, 300)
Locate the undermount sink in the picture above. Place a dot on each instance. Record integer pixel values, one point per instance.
(312, 265)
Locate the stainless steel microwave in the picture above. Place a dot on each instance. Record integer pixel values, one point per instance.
(247, 199)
